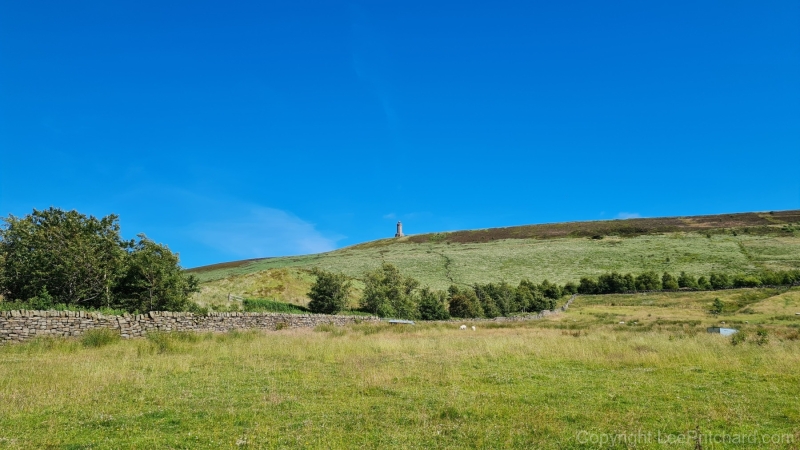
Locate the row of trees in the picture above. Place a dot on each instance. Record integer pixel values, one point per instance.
(615, 283)
(53, 257)
(388, 293)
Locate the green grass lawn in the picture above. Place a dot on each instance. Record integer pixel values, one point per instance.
(565, 382)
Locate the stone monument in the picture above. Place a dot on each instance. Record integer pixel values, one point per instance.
(399, 230)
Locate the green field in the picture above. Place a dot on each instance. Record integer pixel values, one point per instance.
(438, 265)
(570, 381)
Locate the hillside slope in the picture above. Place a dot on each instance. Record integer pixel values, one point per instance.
(557, 252)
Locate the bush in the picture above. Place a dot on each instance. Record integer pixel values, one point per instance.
(719, 281)
(648, 281)
(464, 303)
(99, 337)
(762, 337)
(746, 281)
(330, 292)
(687, 281)
(717, 307)
(266, 305)
(433, 305)
(738, 338)
(668, 282)
(587, 286)
(570, 288)
(387, 293)
(703, 283)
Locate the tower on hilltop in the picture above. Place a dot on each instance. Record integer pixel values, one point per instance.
(399, 230)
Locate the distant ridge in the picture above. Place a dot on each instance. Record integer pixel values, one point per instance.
(753, 222)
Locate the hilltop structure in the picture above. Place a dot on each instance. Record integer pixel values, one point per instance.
(399, 230)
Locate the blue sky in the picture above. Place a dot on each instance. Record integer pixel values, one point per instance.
(232, 130)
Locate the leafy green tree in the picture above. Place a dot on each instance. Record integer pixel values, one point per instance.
(530, 299)
(503, 295)
(153, 279)
(330, 292)
(615, 283)
(588, 286)
(703, 283)
(746, 281)
(433, 305)
(77, 259)
(687, 281)
(668, 282)
(488, 304)
(387, 293)
(648, 281)
(464, 303)
(570, 288)
(550, 290)
(720, 281)
(54, 257)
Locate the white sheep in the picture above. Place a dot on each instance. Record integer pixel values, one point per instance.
(463, 327)
(473, 328)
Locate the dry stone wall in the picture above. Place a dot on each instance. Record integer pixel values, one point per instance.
(18, 326)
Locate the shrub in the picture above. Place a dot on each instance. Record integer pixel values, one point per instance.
(99, 337)
(717, 307)
(387, 293)
(648, 281)
(330, 292)
(746, 281)
(762, 337)
(703, 283)
(464, 303)
(433, 305)
(570, 288)
(267, 305)
(587, 286)
(687, 281)
(719, 281)
(668, 282)
(738, 338)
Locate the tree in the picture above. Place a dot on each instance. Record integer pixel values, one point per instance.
(550, 290)
(703, 283)
(63, 257)
(330, 292)
(75, 258)
(720, 281)
(488, 304)
(687, 281)
(387, 293)
(153, 279)
(588, 286)
(464, 303)
(433, 305)
(648, 281)
(668, 282)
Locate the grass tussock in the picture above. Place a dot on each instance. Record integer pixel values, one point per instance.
(99, 337)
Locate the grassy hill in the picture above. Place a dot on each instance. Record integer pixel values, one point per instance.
(559, 252)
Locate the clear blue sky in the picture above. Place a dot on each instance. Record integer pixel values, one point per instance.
(230, 130)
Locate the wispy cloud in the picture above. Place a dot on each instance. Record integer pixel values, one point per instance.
(260, 232)
(390, 216)
(628, 215)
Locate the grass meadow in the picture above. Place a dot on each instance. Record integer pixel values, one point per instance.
(439, 264)
(577, 380)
